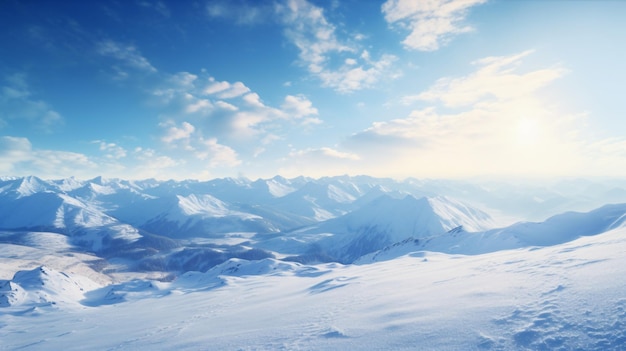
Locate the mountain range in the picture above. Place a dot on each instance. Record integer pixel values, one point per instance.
(177, 226)
(329, 263)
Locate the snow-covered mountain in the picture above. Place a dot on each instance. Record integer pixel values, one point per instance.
(43, 286)
(379, 223)
(332, 218)
(555, 230)
(268, 264)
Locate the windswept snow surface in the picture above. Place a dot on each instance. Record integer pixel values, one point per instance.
(235, 258)
(563, 297)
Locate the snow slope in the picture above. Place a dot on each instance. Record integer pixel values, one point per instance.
(555, 230)
(381, 222)
(75, 256)
(562, 297)
(28, 250)
(43, 286)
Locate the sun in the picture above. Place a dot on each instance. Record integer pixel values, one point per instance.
(527, 132)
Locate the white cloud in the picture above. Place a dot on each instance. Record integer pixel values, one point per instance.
(189, 139)
(18, 157)
(349, 78)
(216, 87)
(325, 152)
(183, 80)
(226, 90)
(218, 154)
(13, 150)
(226, 106)
(319, 162)
(199, 105)
(298, 106)
(199, 111)
(315, 37)
(174, 133)
(111, 150)
(309, 30)
(431, 23)
(494, 130)
(254, 100)
(242, 13)
(127, 54)
(495, 79)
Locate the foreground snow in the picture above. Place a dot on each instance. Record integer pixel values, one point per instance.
(562, 297)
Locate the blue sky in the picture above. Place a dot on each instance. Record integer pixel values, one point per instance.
(397, 88)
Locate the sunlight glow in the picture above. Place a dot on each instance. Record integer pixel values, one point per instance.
(528, 132)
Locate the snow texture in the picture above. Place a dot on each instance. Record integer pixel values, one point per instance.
(311, 264)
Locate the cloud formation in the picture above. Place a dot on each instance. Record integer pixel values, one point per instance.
(320, 162)
(111, 150)
(241, 12)
(18, 157)
(308, 29)
(227, 110)
(341, 64)
(499, 125)
(431, 23)
(496, 79)
(129, 55)
(188, 139)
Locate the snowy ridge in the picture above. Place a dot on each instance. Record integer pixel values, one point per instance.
(268, 264)
(382, 222)
(555, 230)
(44, 286)
(148, 224)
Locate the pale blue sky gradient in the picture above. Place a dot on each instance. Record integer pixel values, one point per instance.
(397, 88)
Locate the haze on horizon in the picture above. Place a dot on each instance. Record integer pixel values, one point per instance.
(397, 88)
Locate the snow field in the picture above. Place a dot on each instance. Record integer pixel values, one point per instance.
(563, 297)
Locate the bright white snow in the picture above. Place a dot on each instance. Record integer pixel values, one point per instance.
(430, 268)
(568, 296)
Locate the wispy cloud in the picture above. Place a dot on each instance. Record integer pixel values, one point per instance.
(326, 152)
(127, 54)
(18, 106)
(111, 150)
(339, 63)
(352, 77)
(431, 23)
(298, 106)
(18, 157)
(217, 154)
(500, 125)
(225, 90)
(496, 78)
(241, 12)
(190, 140)
(308, 29)
(319, 162)
(174, 133)
(158, 6)
(230, 110)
